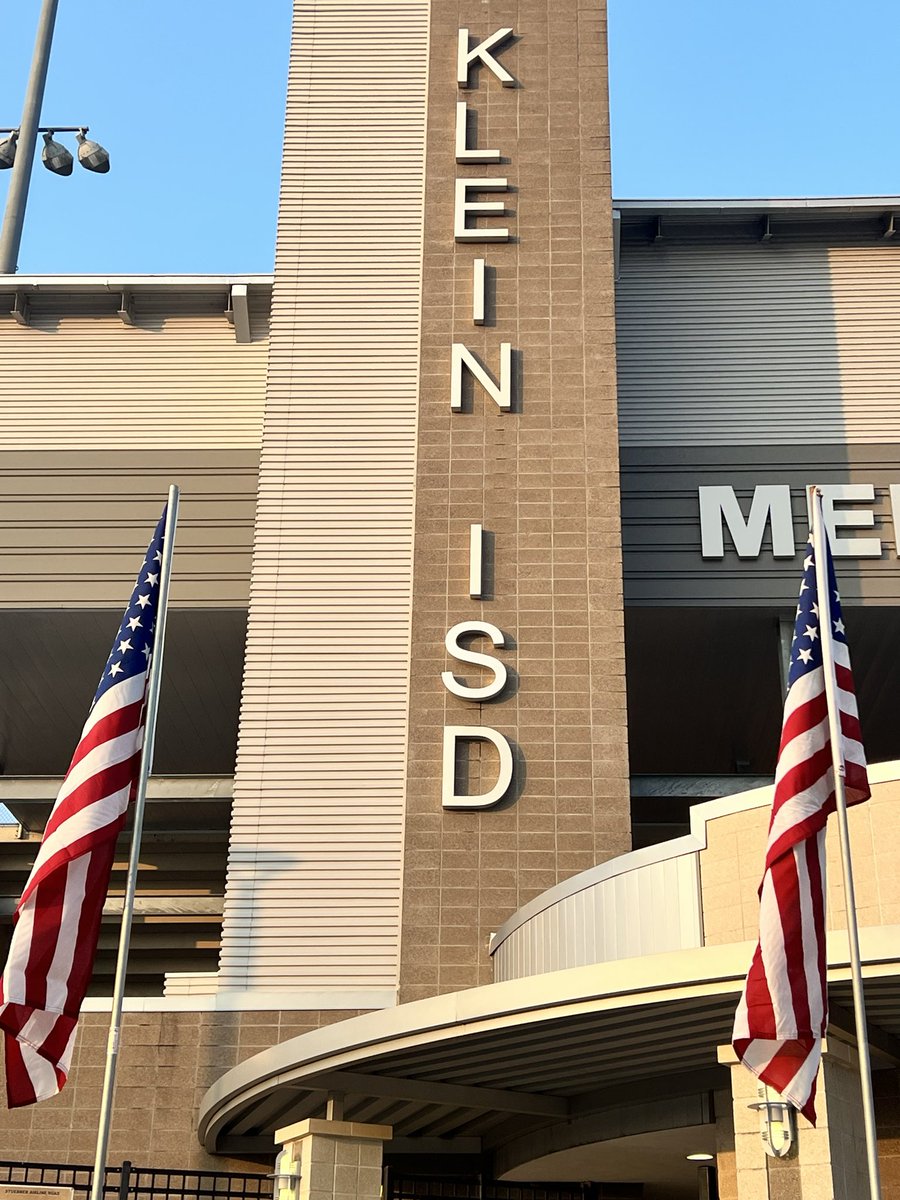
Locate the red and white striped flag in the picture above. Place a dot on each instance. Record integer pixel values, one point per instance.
(783, 1012)
(57, 920)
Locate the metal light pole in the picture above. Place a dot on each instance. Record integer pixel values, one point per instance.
(14, 218)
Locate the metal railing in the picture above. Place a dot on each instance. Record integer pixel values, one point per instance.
(128, 1182)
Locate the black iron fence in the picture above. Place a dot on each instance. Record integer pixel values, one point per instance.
(129, 1182)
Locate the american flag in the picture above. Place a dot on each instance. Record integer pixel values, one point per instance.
(783, 1012)
(57, 920)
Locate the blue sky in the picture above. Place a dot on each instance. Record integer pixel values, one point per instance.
(719, 98)
(709, 98)
(188, 98)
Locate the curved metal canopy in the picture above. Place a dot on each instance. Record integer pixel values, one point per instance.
(473, 1066)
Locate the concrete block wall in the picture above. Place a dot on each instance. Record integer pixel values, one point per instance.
(166, 1063)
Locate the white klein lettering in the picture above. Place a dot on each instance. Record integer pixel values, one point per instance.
(476, 561)
(465, 152)
(464, 360)
(478, 291)
(463, 208)
(465, 57)
(771, 505)
(460, 740)
(453, 734)
(452, 641)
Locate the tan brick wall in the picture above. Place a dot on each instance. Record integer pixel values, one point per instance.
(543, 480)
(731, 868)
(166, 1063)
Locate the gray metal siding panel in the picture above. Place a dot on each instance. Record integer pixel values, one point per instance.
(763, 343)
(73, 527)
(661, 522)
(743, 364)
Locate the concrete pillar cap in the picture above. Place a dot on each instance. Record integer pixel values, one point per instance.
(316, 1127)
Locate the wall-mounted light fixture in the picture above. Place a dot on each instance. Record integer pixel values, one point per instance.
(777, 1123)
(286, 1177)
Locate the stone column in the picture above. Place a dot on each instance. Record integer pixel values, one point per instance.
(336, 1160)
(541, 476)
(825, 1163)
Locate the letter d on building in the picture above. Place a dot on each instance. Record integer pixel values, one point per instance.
(453, 734)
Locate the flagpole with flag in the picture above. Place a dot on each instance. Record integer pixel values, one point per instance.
(57, 920)
(820, 551)
(146, 763)
(782, 1015)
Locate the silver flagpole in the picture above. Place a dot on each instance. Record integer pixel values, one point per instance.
(153, 684)
(837, 758)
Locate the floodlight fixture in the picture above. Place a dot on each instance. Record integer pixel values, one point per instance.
(55, 156)
(91, 155)
(8, 151)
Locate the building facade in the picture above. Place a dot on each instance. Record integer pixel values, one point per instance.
(479, 454)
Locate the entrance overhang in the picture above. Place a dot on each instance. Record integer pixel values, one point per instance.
(471, 1069)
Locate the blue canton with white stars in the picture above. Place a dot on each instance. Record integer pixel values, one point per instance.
(133, 646)
(806, 647)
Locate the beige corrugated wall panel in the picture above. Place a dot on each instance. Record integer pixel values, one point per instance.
(100, 417)
(175, 379)
(314, 874)
(758, 344)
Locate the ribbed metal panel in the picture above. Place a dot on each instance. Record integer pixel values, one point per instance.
(661, 522)
(313, 889)
(73, 526)
(650, 909)
(99, 417)
(78, 378)
(754, 344)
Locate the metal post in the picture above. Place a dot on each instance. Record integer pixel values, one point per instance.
(125, 1180)
(153, 685)
(17, 197)
(834, 729)
(785, 634)
(707, 1183)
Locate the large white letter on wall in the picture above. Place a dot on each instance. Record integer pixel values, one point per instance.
(464, 207)
(864, 518)
(719, 505)
(465, 152)
(474, 733)
(463, 359)
(466, 57)
(451, 641)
